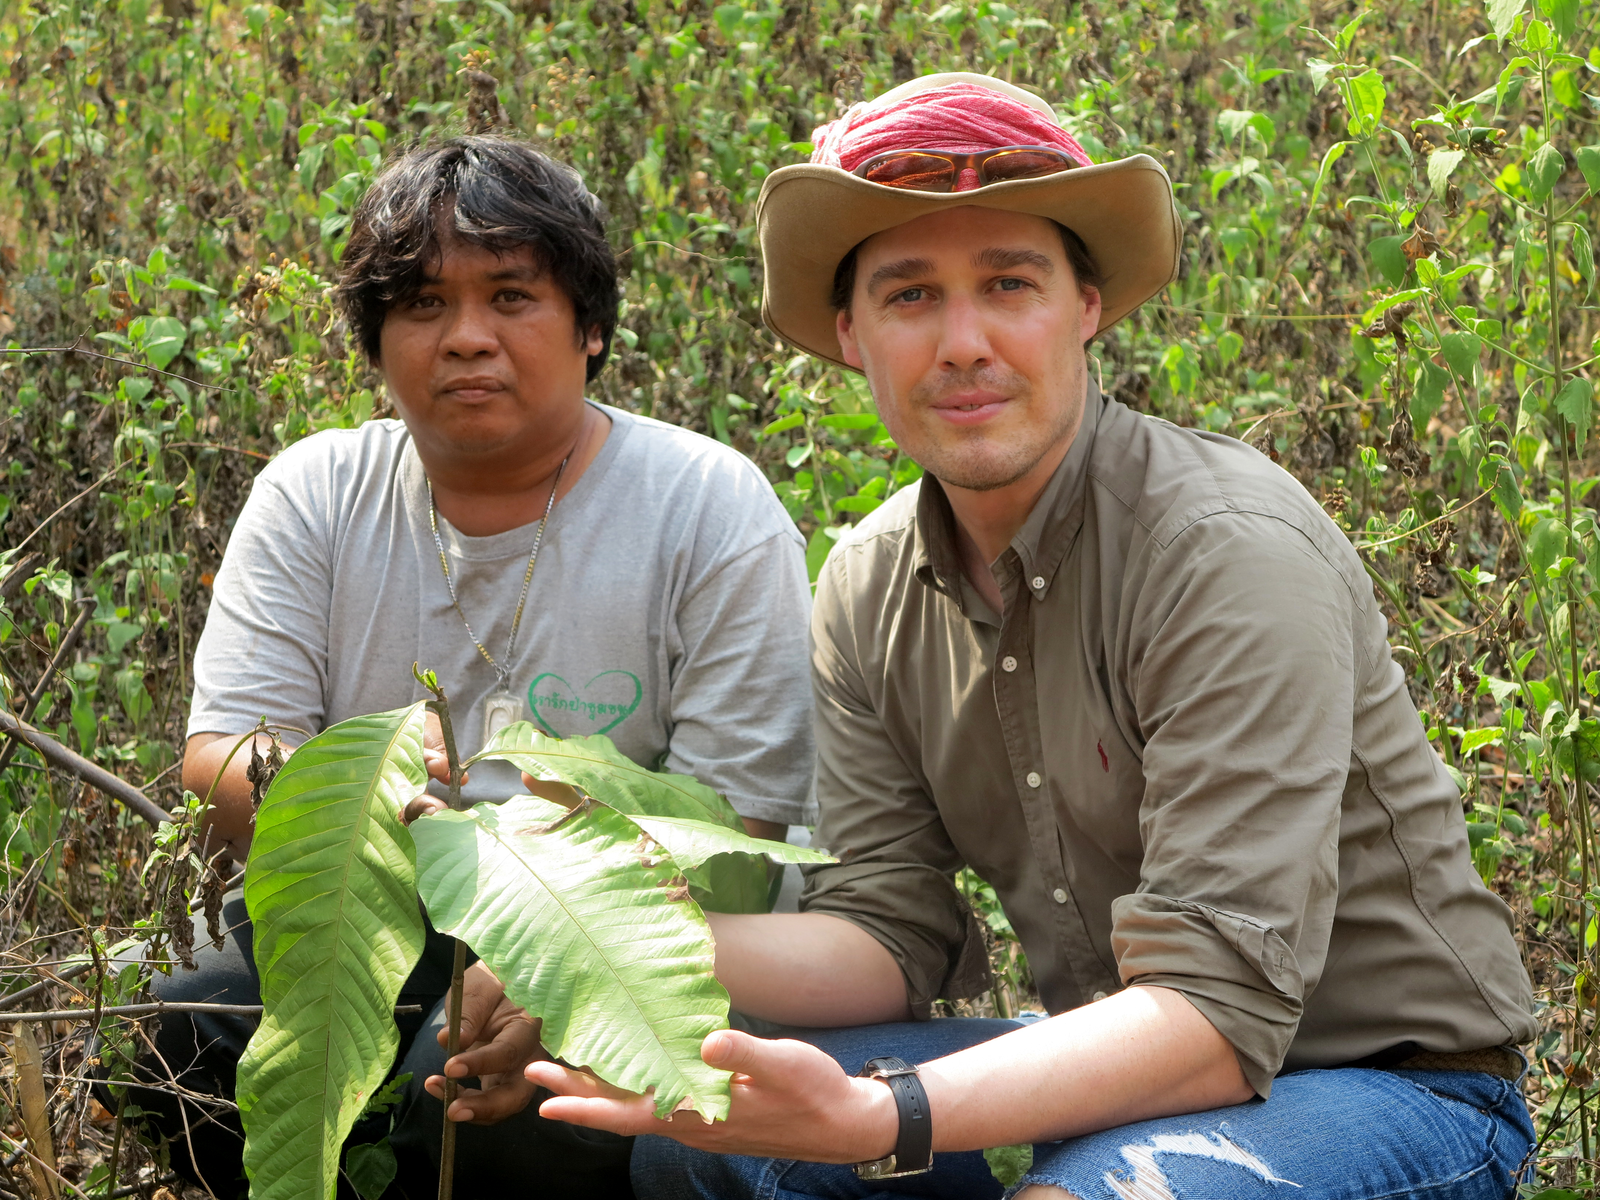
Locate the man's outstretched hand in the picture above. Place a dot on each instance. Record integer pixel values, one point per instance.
(498, 1041)
(790, 1100)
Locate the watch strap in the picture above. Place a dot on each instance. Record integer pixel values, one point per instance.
(913, 1148)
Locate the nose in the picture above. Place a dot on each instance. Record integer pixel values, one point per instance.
(963, 335)
(469, 333)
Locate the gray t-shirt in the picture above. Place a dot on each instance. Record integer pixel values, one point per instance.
(668, 609)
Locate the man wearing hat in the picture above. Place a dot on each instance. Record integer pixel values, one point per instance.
(1134, 677)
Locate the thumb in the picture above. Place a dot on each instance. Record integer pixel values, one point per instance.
(474, 1016)
(731, 1050)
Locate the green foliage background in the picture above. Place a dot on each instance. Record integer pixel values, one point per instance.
(177, 181)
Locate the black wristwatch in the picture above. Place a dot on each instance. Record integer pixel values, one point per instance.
(913, 1149)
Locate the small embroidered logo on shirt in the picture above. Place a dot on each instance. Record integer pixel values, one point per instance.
(1105, 763)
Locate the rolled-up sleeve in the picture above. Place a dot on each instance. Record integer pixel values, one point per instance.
(1241, 655)
(877, 817)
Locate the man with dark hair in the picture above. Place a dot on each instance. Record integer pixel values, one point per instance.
(553, 560)
(1136, 679)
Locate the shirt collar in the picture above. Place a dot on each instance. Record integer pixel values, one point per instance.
(1043, 540)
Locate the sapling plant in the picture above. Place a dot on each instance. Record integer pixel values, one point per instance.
(591, 915)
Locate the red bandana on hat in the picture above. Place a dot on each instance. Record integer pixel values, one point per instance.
(959, 117)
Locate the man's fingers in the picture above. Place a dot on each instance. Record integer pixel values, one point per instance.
(437, 764)
(581, 1099)
(505, 1097)
(481, 997)
(774, 1061)
(553, 790)
(564, 1081)
(422, 806)
(509, 1051)
(609, 1115)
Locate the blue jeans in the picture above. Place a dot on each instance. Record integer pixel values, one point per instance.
(1343, 1134)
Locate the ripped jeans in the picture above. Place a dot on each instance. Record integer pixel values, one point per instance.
(1342, 1134)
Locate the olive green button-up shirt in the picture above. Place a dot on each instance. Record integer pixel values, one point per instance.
(1183, 757)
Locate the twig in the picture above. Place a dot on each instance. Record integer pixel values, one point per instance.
(63, 508)
(57, 755)
(35, 1161)
(86, 610)
(685, 251)
(133, 1189)
(218, 446)
(114, 1159)
(447, 1147)
(183, 1112)
(127, 362)
(1400, 537)
(35, 1104)
(153, 1007)
(18, 574)
(440, 706)
(72, 968)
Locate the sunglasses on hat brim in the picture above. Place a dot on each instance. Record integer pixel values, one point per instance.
(940, 170)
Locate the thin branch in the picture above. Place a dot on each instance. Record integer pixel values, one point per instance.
(153, 1007)
(45, 523)
(1444, 516)
(31, 702)
(127, 362)
(57, 755)
(18, 574)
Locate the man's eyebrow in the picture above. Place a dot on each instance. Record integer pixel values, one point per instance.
(905, 268)
(998, 258)
(519, 273)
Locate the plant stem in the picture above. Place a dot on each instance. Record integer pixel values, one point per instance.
(440, 704)
(116, 1145)
(447, 1145)
(440, 707)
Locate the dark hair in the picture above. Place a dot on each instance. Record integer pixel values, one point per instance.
(1078, 257)
(498, 193)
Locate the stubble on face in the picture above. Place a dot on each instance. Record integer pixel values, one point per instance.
(981, 459)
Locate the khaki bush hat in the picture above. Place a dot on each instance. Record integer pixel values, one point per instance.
(810, 216)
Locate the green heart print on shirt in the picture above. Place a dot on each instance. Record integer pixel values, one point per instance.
(605, 702)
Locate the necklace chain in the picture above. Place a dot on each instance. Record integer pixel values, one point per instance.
(502, 673)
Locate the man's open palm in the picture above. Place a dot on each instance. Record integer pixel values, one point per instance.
(790, 1100)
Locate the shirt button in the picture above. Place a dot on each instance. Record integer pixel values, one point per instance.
(1059, 896)
(1008, 663)
(1099, 996)
(1038, 582)
(1034, 779)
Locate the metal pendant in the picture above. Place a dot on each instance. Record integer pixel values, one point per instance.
(500, 708)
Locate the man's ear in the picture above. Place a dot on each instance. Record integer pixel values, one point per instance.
(1091, 311)
(846, 330)
(594, 342)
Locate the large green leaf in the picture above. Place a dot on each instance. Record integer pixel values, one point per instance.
(331, 890)
(732, 883)
(163, 340)
(724, 868)
(692, 842)
(589, 931)
(597, 768)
